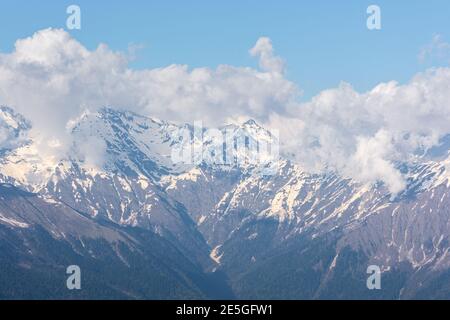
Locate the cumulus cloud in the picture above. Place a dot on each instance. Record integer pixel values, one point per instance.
(364, 135)
(267, 59)
(52, 80)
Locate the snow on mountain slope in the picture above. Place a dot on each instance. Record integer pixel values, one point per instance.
(302, 203)
(227, 182)
(41, 238)
(12, 129)
(116, 141)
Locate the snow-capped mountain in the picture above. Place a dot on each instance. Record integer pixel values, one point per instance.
(232, 208)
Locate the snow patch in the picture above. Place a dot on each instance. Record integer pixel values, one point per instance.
(214, 255)
(14, 223)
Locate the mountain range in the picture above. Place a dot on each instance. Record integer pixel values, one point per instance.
(142, 226)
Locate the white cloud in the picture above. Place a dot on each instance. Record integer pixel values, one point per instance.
(52, 79)
(437, 49)
(267, 59)
(362, 135)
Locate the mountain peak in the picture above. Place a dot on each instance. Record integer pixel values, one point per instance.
(251, 123)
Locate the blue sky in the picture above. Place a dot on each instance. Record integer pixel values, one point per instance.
(323, 42)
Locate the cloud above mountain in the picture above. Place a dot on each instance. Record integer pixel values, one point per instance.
(363, 135)
(52, 79)
(268, 61)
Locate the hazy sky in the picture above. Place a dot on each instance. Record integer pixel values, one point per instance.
(322, 42)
